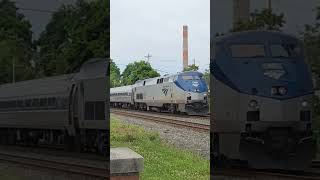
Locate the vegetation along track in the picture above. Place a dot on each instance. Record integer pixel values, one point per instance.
(97, 169)
(174, 121)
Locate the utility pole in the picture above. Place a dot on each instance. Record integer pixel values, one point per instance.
(148, 56)
(194, 61)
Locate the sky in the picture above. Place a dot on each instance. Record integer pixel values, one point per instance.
(140, 27)
(39, 20)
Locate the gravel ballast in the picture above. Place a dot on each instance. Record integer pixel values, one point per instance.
(198, 142)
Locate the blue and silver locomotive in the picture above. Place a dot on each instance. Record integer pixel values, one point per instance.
(262, 101)
(184, 92)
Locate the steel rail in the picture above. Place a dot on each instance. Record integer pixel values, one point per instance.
(165, 120)
(57, 165)
(264, 174)
(165, 113)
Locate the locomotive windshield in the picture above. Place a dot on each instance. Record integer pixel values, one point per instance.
(190, 78)
(259, 51)
(285, 50)
(247, 50)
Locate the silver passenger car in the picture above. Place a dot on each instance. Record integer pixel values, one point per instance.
(68, 110)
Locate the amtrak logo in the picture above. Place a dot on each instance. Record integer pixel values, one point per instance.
(273, 70)
(275, 74)
(195, 83)
(165, 91)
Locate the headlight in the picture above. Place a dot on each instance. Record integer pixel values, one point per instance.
(304, 103)
(282, 90)
(253, 104)
(274, 91)
(204, 94)
(188, 96)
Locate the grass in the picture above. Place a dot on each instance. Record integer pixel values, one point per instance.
(161, 160)
(10, 174)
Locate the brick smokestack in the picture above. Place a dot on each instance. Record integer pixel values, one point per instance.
(185, 53)
(241, 11)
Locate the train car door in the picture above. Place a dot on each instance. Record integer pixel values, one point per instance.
(73, 110)
(75, 107)
(93, 95)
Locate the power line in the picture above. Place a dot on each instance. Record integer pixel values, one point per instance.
(36, 10)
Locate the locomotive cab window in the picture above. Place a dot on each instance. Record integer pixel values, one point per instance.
(190, 78)
(247, 50)
(196, 78)
(285, 50)
(186, 78)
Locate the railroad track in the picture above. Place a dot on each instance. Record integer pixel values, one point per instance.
(165, 113)
(165, 120)
(316, 164)
(91, 169)
(263, 175)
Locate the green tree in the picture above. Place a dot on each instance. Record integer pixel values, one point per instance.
(114, 75)
(15, 44)
(206, 76)
(311, 38)
(137, 71)
(192, 67)
(75, 34)
(264, 19)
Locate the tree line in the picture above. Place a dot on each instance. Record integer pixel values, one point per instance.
(139, 70)
(74, 34)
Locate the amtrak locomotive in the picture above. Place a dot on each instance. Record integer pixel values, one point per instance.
(262, 101)
(184, 92)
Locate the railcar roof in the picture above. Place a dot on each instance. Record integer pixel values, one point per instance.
(44, 86)
(122, 89)
(165, 76)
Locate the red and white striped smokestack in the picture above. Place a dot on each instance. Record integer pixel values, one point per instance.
(185, 53)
